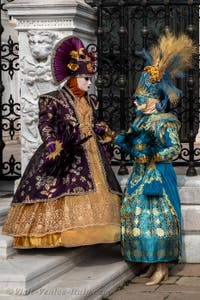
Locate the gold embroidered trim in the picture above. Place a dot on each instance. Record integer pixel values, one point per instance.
(65, 213)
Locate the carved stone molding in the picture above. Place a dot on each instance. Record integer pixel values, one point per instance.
(45, 24)
(53, 15)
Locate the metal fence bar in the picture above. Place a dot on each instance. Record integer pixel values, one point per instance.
(9, 110)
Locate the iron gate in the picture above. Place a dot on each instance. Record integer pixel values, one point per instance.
(123, 29)
(9, 109)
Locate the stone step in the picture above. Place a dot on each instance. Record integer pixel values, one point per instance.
(29, 270)
(6, 246)
(93, 279)
(191, 218)
(189, 189)
(4, 208)
(6, 242)
(190, 248)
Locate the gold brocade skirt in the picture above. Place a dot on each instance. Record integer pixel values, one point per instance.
(69, 221)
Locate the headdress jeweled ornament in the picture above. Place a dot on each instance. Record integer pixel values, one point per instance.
(70, 59)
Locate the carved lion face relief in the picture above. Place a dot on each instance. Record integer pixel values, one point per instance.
(41, 44)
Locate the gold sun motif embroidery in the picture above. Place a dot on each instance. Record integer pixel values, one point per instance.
(57, 151)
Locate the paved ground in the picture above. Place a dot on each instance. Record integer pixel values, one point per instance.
(183, 284)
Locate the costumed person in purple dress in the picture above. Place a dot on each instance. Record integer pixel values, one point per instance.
(150, 211)
(68, 195)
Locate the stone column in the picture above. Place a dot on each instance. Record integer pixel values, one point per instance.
(40, 24)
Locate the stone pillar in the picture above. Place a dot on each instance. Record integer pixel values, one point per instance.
(40, 24)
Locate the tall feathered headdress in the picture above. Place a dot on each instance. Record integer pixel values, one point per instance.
(165, 62)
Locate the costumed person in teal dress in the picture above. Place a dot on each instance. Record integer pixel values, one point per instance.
(68, 195)
(150, 211)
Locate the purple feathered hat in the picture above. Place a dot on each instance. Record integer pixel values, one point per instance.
(70, 59)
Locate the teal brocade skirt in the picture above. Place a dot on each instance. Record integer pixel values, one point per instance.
(151, 224)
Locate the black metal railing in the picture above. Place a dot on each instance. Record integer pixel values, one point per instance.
(9, 110)
(123, 29)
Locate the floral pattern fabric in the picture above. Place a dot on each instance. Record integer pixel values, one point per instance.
(72, 171)
(150, 211)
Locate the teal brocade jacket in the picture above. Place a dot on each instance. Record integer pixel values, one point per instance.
(150, 140)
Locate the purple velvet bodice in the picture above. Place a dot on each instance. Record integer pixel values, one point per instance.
(72, 174)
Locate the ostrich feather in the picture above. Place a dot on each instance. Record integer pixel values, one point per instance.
(173, 54)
